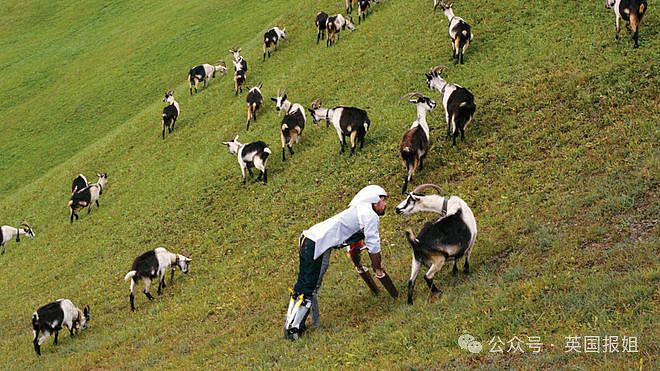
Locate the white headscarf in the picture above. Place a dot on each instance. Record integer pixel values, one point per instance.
(369, 194)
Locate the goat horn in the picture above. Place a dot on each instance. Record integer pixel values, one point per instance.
(261, 83)
(438, 69)
(26, 224)
(422, 187)
(316, 103)
(413, 94)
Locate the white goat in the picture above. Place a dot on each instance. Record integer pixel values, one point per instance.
(7, 233)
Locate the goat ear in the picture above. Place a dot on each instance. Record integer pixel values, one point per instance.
(188, 259)
(428, 76)
(273, 99)
(413, 101)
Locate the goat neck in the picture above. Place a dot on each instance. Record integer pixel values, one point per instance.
(325, 113)
(430, 203)
(439, 84)
(286, 106)
(449, 13)
(421, 119)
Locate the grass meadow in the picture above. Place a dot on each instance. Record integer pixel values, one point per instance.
(560, 167)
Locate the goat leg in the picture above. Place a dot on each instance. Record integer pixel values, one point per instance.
(431, 285)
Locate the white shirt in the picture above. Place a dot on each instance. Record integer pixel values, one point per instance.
(334, 231)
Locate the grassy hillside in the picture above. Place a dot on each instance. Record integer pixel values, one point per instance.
(560, 167)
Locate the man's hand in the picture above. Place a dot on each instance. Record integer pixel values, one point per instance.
(376, 264)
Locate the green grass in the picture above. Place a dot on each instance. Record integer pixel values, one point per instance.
(560, 167)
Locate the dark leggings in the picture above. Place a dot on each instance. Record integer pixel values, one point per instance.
(309, 270)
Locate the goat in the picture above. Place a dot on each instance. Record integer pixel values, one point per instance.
(254, 101)
(335, 24)
(450, 237)
(79, 182)
(87, 196)
(348, 122)
(153, 264)
(51, 317)
(415, 143)
(202, 73)
(349, 5)
(457, 101)
(8, 232)
(321, 25)
(170, 113)
(272, 37)
(459, 32)
(631, 11)
(249, 155)
(363, 10)
(293, 121)
(240, 69)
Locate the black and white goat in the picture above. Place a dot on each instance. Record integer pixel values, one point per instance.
(415, 143)
(154, 264)
(631, 11)
(250, 155)
(349, 5)
(293, 121)
(7, 233)
(79, 182)
(450, 237)
(272, 37)
(321, 25)
(457, 101)
(202, 73)
(254, 101)
(348, 122)
(459, 31)
(363, 10)
(240, 69)
(170, 113)
(87, 196)
(50, 318)
(335, 24)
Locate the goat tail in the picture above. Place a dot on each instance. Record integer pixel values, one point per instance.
(408, 156)
(412, 238)
(130, 275)
(35, 321)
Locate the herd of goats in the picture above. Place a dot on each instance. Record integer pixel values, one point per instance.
(450, 237)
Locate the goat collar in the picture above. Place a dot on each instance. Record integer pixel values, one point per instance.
(100, 188)
(444, 205)
(18, 234)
